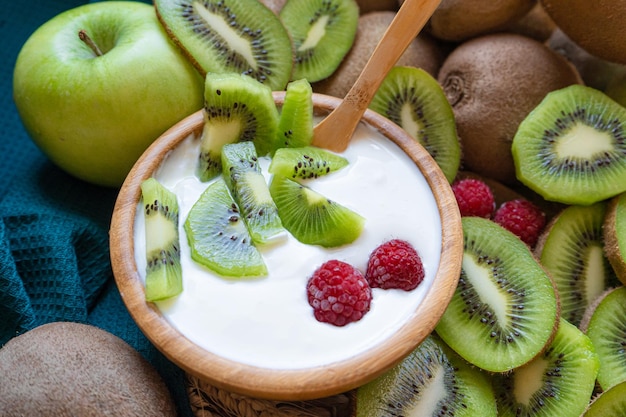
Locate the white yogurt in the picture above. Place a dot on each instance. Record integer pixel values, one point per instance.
(267, 322)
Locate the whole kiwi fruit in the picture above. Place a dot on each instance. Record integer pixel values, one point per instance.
(423, 52)
(492, 83)
(596, 26)
(536, 24)
(72, 369)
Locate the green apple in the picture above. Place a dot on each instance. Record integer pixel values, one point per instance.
(96, 85)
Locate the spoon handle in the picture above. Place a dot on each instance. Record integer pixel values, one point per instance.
(335, 130)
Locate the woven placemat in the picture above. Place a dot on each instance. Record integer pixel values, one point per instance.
(207, 400)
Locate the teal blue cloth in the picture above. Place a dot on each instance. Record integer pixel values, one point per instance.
(54, 252)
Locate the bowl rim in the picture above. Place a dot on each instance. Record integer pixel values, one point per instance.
(287, 385)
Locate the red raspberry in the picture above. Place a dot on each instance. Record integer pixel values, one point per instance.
(474, 198)
(395, 264)
(338, 293)
(523, 218)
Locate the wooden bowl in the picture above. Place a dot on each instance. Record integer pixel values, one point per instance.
(285, 384)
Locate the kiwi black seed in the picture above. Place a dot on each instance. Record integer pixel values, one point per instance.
(322, 32)
(607, 331)
(240, 36)
(218, 236)
(74, 369)
(614, 232)
(572, 147)
(163, 269)
(431, 381)
(493, 82)
(557, 383)
(571, 249)
(609, 403)
(414, 100)
(504, 310)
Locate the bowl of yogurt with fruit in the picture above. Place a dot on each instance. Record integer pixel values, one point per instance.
(275, 269)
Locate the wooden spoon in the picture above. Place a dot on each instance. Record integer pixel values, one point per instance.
(335, 130)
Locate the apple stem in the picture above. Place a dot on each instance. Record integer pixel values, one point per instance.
(82, 34)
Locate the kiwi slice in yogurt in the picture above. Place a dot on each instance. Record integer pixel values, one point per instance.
(322, 32)
(295, 126)
(163, 268)
(219, 237)
(414, 100)
(230, 36)
(571, 148)
(558, 382)
(308, 162)
(431, 381)
(571, 249)
(313, 218)
(236, 108)
(247, 185)
(504, 311)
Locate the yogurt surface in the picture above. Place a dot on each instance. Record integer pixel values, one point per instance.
(267, 321)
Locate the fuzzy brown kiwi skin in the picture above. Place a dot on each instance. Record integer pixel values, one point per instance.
(64, 368)
(492, 83)
(536, 24)
(611, 244)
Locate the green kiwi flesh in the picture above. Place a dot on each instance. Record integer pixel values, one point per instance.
(609, 403)
(224, 36)
(218, 236)
(163, 270)
(236, 108)
(312, 218)
(571, 148)
(607, 331)
(295, 125)
(322, 32)
(571, 249)
(308, 162)
(414, 100)
(504, 310)
(614, 230)
(246, 182)
(557, 383)
(431, 381)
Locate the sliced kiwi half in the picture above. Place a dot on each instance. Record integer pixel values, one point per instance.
(308, 162)
(247, 185)
(311, 217)
(295, 126)
(504, 310)
(571, 148)
(322, 32)
(607, 331)
(164, 277)
(609, 403)
(239, 36)
(218, 236)
(236, 108)
(414, 100)
(614, 230)
(571, 249)
(431, 381)
(559, 382)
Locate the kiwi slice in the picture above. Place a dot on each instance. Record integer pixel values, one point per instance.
(322, 32)
(614, 231)
(247, 185)
(236, 108)
(559, 382)
(505, 308)
(607, 331)
(238, 36)
(572, 147)
(218, 236)
(295, 126)
(431, 381)
(308, 162)
(414, 100)
(571, 249)
(312, 218)
(609, 403)
(164, 278)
